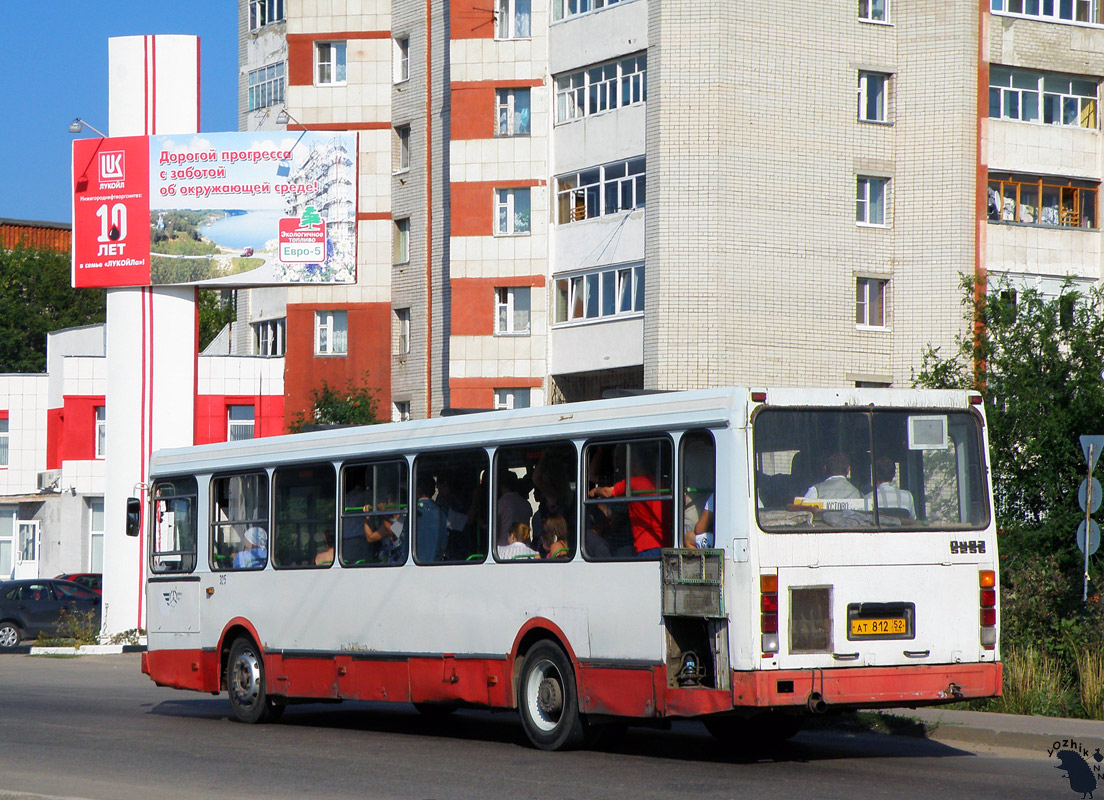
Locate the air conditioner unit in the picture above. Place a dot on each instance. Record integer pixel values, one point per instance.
(49, 480)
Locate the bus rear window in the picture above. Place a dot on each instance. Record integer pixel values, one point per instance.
(869, 470)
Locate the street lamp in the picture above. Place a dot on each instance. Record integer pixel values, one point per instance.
(78, 125)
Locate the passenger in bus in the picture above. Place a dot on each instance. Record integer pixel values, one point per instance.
(598, 524)
(325, 556)
(554, 538)
(511, 507)
(255, 552)
(889, 496)
(357, 546)
(649, 518)
(430, 532)
(388, 534)
(837, 486)
(701, 535)
(518, 544)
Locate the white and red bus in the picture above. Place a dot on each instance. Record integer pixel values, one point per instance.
(848, 560)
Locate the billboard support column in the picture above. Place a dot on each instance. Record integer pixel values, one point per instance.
(151, 331)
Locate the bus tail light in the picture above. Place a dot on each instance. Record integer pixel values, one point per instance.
(987, 608)
(768, 614)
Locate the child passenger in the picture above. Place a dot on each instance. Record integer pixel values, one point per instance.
(517, 545)
(554, 538)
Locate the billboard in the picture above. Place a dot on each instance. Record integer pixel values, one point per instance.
(215, 209)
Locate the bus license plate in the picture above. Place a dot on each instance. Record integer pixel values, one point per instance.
(896, 626)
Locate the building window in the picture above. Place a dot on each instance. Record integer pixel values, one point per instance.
(266, 86)
(329, 64)
(4, 436)
(95, 535)
(400, 250)
(101, 431)
(401, 66)
(613, 84)
(402, 147)
(565, 9)
(330, 333)
(268, 337)
(870, 294)
(265, 12)
(1050, 202)
(402, 319)
(512, 112)
(600, 294)
(1046, 98)
(513, 19)
(598, 191)
(870, 200)
(400, 411)
(1052, 10)
(239, 423)
(511, 212)
(511, 398)
(873, 10)
(873, 97)
(512, 310)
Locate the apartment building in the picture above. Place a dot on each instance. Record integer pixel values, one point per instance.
(564, 198)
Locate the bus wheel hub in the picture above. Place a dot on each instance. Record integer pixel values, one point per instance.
(550, 696)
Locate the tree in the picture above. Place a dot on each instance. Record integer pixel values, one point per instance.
(353, 405)
(1036, 361)
(36, 298)
(215, 313)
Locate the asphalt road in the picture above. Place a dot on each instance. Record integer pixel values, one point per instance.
(95, 727)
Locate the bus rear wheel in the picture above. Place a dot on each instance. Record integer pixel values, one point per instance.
(245, 684)
(548, 700)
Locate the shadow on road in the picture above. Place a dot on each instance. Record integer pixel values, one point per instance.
(824, 740)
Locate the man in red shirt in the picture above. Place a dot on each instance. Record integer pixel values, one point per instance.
(650, 519)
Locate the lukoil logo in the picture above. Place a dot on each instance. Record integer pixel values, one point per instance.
(112, 166)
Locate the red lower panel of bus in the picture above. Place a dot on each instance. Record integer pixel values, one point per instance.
(868, 686)
(628, 691)
(183, 669)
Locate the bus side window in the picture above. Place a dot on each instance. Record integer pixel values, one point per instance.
(698, 471)
(304, 515)
(638, 507)
(534, 494)
(451, 514)
(239, 521)
(374, 519)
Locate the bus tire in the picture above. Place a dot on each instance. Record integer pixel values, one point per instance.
(245, 685)
(548, 700)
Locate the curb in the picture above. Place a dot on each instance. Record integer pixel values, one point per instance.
(86, 650)
(1019, 732)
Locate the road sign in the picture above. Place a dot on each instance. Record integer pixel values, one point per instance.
(1082, 492)
(1098, 442)
(1094, 537)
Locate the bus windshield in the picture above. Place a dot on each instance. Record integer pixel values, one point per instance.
(862, 469)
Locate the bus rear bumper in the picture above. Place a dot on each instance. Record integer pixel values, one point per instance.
(867, 687)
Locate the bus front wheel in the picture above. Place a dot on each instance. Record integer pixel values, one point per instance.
(245, 684)
(548, 700)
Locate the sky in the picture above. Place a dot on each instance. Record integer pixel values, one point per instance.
(54, 53)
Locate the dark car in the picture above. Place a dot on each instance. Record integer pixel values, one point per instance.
(30, 608)
(91, 580)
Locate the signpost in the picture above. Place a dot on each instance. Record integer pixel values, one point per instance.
(1089, 497)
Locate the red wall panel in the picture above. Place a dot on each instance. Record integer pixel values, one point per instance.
(74, 430)
(211, 411)
(369, 350)
(473, 111)
(479, 392)
(473, 302)
(471, 19)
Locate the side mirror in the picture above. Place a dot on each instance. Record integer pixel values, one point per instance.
(133, 516)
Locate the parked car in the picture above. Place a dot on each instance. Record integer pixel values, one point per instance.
(31, 608)
(92, 580)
